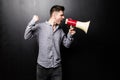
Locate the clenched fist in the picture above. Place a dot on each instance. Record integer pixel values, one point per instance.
(35, 18)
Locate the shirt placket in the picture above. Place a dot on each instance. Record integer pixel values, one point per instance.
(51, 54)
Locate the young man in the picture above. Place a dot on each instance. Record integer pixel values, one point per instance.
(49, 36)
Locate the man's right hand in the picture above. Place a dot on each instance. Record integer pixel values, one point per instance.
(35, 18)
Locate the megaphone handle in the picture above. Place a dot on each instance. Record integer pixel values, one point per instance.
(71, 26)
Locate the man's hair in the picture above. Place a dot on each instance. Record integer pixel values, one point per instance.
(56, 8)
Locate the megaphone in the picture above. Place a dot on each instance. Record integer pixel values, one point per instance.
(78, 24)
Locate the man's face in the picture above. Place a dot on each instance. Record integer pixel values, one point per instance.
(59, 16)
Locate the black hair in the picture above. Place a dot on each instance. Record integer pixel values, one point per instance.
(56, 8)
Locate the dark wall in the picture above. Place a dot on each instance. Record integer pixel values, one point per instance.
(91, 56)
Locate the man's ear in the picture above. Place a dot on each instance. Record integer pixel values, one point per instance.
(55, 14)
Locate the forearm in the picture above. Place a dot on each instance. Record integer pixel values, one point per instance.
(29, 30)
(68, 40)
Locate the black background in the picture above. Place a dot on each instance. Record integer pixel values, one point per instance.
(91, 56)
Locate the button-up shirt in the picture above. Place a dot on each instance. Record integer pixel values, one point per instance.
(49, 42)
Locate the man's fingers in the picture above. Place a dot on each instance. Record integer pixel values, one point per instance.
(72, 30)
(71, 27)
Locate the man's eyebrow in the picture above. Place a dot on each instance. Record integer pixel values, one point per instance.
(62, 14)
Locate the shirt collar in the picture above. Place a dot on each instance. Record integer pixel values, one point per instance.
(50, 24)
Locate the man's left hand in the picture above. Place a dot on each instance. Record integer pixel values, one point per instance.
(72, 30)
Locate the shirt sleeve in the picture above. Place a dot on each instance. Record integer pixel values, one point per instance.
(67, 40)
(30, 30)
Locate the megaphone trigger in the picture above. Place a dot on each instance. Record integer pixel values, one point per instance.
(71, 26)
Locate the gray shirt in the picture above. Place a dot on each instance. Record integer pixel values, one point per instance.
(49, 42)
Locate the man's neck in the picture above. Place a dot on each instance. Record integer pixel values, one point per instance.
(52, 22)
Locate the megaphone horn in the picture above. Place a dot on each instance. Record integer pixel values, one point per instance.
(81, 25)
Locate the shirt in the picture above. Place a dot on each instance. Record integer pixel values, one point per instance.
(49, 42)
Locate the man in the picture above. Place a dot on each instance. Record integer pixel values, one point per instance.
(49, 36)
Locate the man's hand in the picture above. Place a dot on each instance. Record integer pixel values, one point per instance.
(72, 30)
(35, 18)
